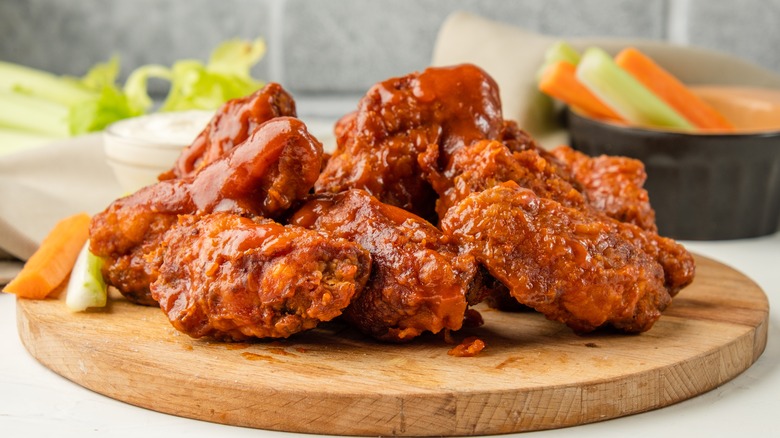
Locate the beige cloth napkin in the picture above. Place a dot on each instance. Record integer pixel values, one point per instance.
(513, 56)
(40, 186)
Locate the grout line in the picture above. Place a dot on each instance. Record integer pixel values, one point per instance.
(276, 40)
(677, 21)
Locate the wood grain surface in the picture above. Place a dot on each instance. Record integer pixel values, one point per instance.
(534, 374)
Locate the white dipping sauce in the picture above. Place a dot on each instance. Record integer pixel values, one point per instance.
(175, 128)
(140, 149)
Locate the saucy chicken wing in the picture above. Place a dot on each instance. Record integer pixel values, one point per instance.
(229, 277)
(233, 123)
(262, 176)
(582, 269)
(404, 131)
(613, 185)
(419, 281)
(600, 186)
(488, 163)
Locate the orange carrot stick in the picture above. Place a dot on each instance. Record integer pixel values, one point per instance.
(560, 81)
(669, 89)
(50, 265)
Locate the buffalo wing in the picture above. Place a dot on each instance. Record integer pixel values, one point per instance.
(229, 277)
(233, 123)
(263, 176)
(404, 130)
(579, 268)
(419, 281)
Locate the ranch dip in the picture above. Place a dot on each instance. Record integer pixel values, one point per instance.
(174, 128)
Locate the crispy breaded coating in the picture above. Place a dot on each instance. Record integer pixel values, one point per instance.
(229, 277)
(419, 281)
(579, 268)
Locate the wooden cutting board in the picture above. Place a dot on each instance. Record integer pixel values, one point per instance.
(534, 374)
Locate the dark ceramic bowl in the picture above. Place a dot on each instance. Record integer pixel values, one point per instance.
(702, 186)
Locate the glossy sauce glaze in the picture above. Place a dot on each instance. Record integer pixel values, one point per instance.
(232, 125)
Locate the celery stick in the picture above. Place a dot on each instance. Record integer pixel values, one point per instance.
(14, 77)
(560, 51)
(86, 287)
(624, 94)
(33, 114)
(12, 140)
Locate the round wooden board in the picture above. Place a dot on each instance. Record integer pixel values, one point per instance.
(534, 374)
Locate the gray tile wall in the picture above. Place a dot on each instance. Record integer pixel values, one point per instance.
(331, 47)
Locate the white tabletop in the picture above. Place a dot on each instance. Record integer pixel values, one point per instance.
(37, 402)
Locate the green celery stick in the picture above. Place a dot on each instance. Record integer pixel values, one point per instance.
(624, 94)
(33, 114)
(559, 51)
(18, 78)
(12, 140)
(86, 287)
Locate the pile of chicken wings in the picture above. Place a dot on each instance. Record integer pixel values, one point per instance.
(430, 204)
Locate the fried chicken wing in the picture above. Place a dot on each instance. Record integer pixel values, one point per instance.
(613, 190)
(517, 139)
(263, 176)
(233, 123)
(229, 277)
(419, 281)
(582, 269)
(405, 129)
(613, 185)
(488, 163)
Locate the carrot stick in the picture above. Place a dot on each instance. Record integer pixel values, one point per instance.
(49, 266)
(669, 89)
(560, 81)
